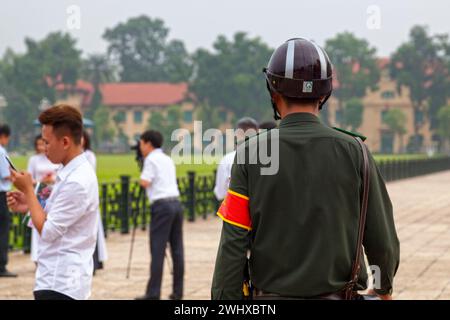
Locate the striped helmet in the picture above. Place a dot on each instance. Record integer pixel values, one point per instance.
(299, 68)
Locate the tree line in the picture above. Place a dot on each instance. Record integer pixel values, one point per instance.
(229, 75)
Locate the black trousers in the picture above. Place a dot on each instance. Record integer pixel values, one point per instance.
(166, 226)
(50, 295)
(5, 221)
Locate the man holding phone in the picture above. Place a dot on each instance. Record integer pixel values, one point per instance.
(5, 186)
(68, 223)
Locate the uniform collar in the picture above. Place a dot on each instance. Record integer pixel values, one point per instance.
(72, 165)
(299, 117)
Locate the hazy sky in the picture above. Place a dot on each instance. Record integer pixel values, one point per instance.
(198, 22)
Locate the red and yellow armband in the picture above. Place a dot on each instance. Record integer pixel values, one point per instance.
(235, 210)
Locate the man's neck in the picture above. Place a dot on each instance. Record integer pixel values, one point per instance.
(299, 109)
(72, 155)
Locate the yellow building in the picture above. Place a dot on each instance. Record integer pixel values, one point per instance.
(131, 105)
(376, 104)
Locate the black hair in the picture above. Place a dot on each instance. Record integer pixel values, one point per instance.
(36, 139)
(87, 140)
(247, 123)
(268, 125)
(154, 137)
(5, 130)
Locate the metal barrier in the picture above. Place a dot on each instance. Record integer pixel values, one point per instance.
(124, 203)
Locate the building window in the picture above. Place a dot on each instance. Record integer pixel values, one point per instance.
(418, 117)
(187, 116)
(388, 94)
(120, 117)
(137, 116)
(383, 115)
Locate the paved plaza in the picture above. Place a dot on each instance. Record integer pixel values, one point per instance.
(422, 214)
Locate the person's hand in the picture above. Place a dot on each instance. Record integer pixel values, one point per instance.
(48, 179)
(22, 181)
(16, 201)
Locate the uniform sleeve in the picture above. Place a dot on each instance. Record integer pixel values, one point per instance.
(235, 239)
(381, 243)
(228, 275)
(149, 171)
(68, 207)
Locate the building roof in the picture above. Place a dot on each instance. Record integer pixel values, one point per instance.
(131, 93)
(146, 93)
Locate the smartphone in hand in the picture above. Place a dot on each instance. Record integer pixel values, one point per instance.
(10, 164)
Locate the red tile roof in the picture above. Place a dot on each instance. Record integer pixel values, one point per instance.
(146, 93)
(81, 86)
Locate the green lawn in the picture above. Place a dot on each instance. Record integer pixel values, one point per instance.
(111, 167)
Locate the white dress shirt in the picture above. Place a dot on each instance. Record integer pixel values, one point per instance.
(223, 175)
(69, 234)
(160, 170)
(5, 184)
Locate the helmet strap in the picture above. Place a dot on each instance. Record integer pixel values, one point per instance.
(276, 115)
(323, 101)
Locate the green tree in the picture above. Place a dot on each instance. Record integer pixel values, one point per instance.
(355, 66)
(444, 126)
(395, 119)
(353, 113)
(209, 116)
(140, 46)
(45, 64)
(97, 69)
(418, 64)
(231, 76)
(103, 132)
(166, 123)
(29, 77)
(18, 112)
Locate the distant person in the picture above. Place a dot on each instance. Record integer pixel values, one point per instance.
(42, 170)
(223, 173)
(5, 216)
(68, 223)
(159, 179)
(267, 125)
(101, 253)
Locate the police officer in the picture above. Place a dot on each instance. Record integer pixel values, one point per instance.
(301, 224)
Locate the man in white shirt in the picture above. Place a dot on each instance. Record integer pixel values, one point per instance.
(5, 216)
(68, 223)
(246, 127)
(159, 179)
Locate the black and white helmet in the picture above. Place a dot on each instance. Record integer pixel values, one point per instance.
(299, 68)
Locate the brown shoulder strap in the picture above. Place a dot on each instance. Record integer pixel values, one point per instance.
(362, 222)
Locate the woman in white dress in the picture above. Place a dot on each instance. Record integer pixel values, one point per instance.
(44, 171)
(100, 254)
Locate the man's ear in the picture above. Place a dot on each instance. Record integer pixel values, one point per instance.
(66, 142)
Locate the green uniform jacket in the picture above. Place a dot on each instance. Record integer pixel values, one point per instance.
(304, 219)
